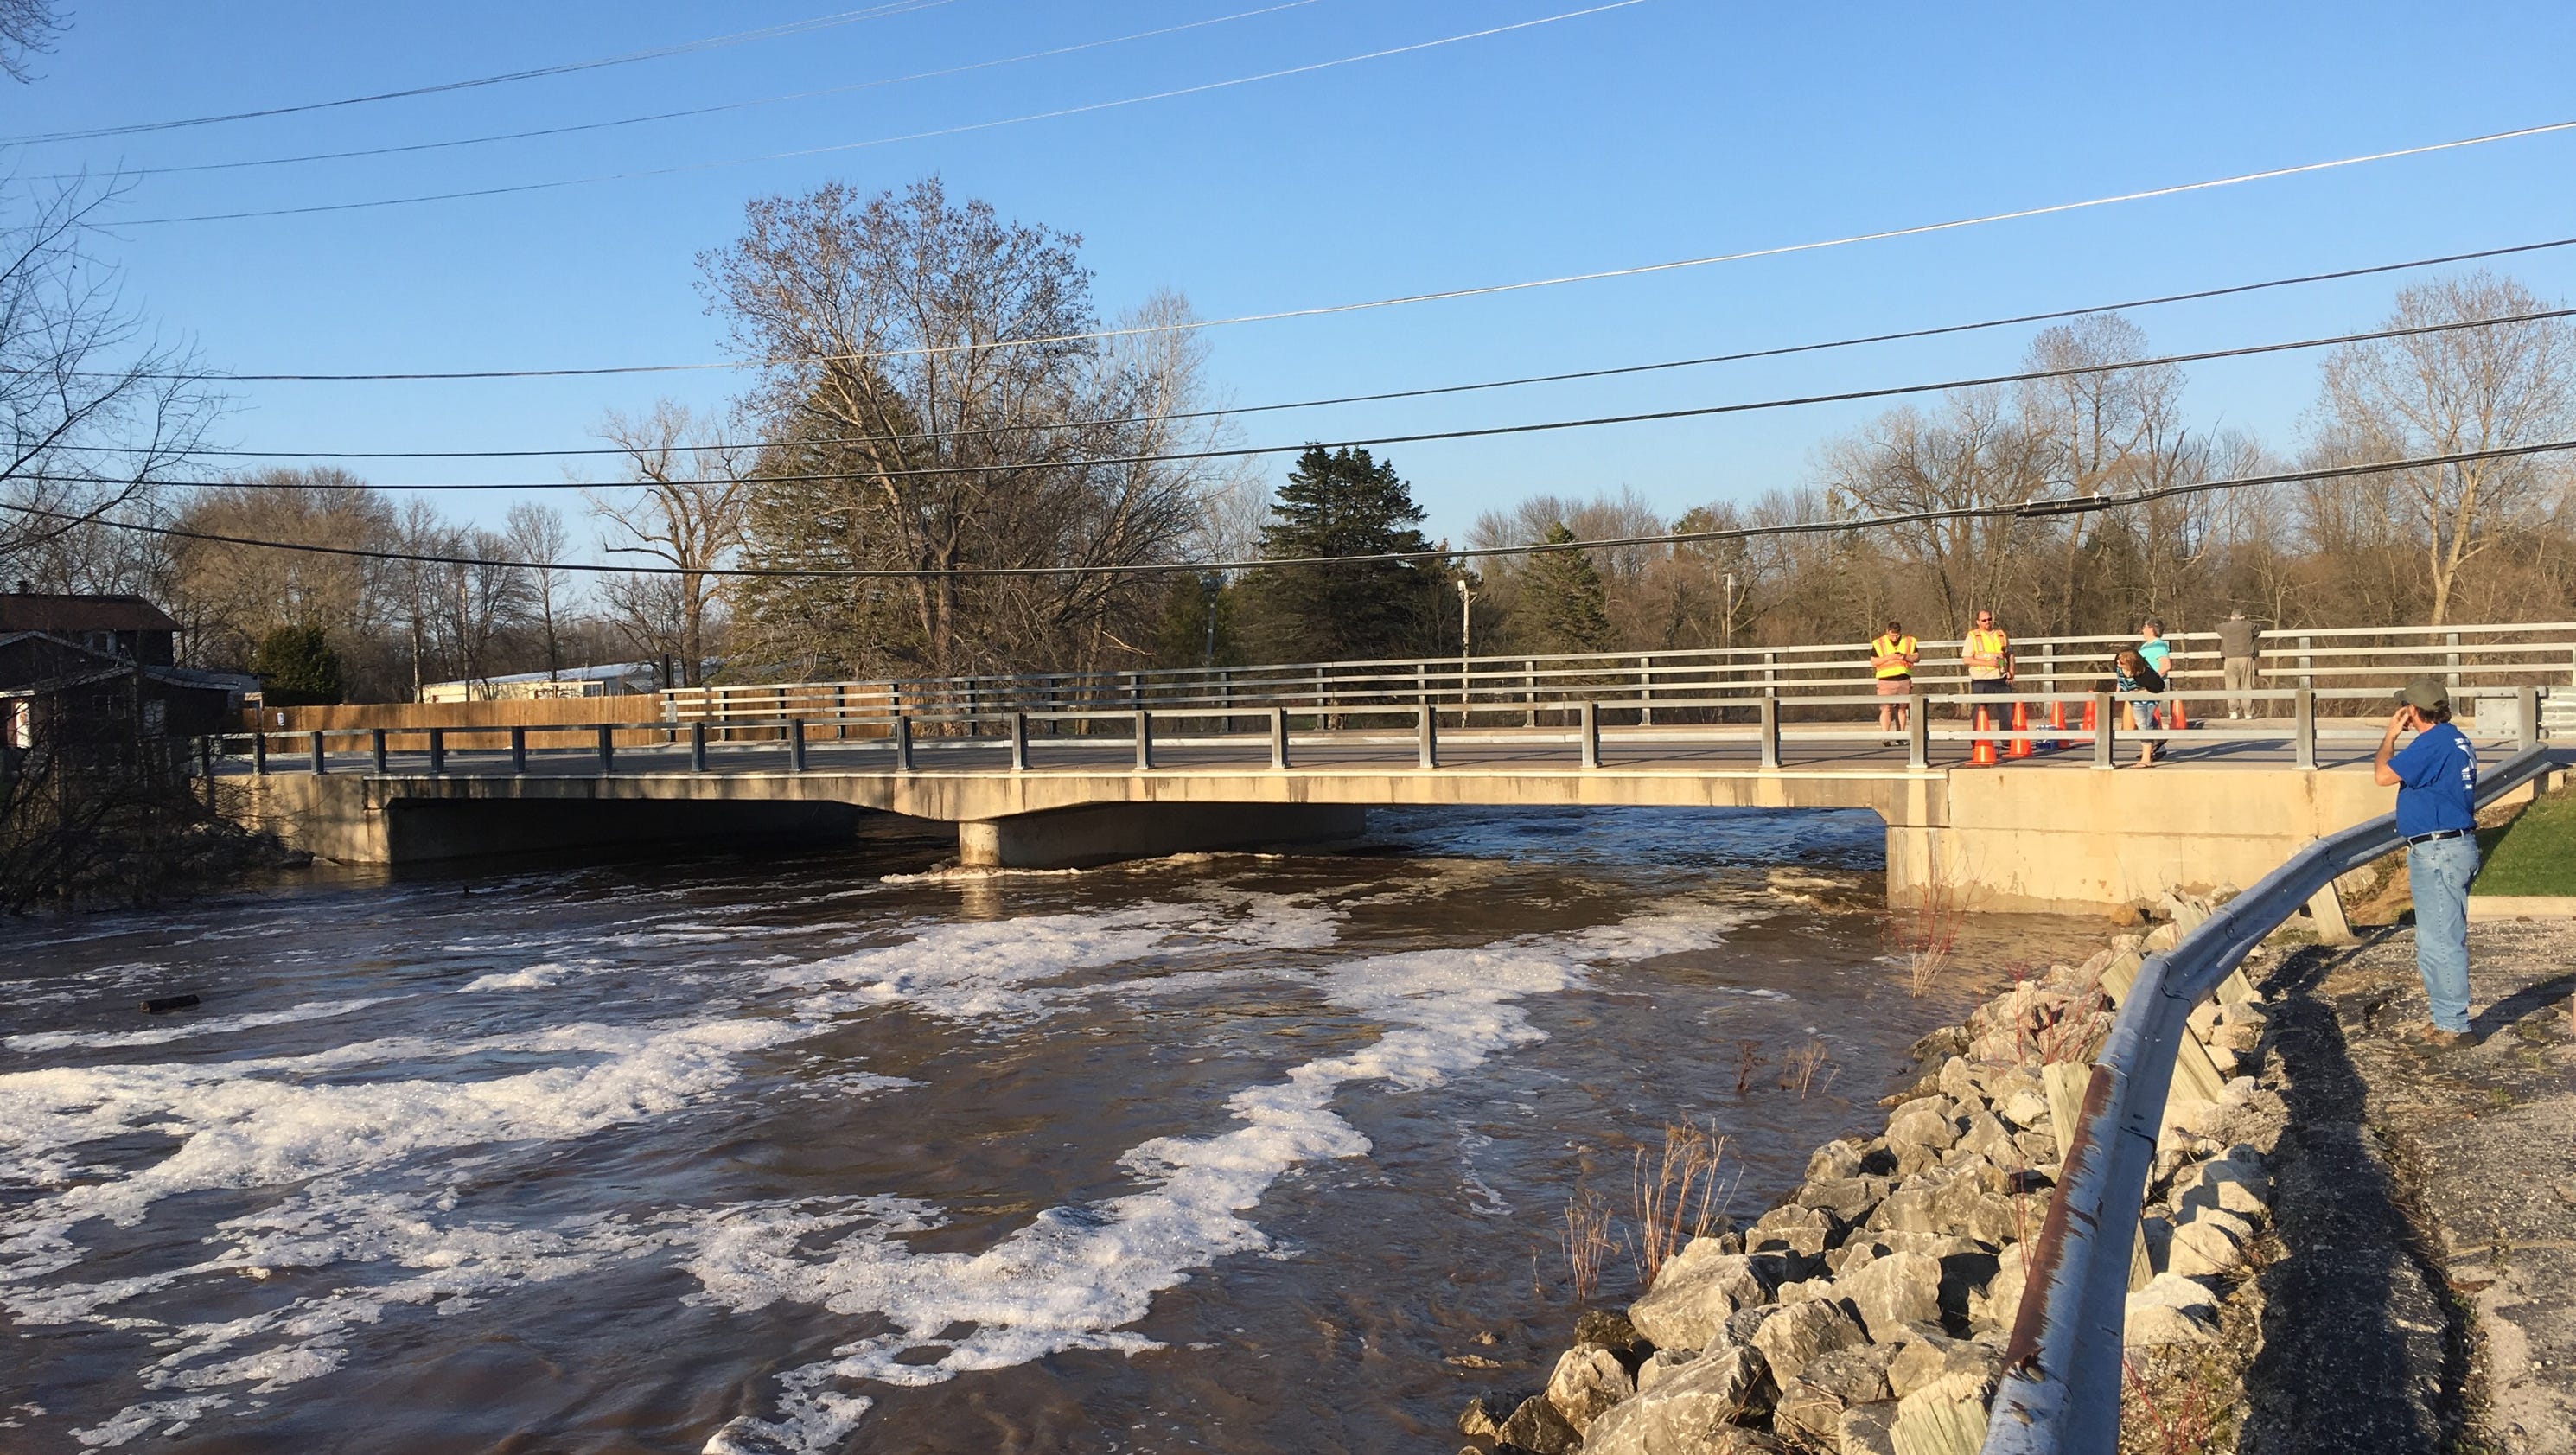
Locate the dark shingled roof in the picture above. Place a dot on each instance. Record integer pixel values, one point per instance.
(35, 611)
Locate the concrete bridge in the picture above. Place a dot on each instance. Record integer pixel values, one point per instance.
(2066, 828)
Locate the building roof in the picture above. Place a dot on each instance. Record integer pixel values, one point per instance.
(37, 611)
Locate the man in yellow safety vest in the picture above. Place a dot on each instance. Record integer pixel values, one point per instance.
(1988, 655)
(1891, 660)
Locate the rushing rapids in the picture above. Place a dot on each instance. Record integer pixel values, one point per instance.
(1232, 1152)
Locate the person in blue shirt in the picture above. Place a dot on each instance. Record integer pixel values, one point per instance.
(2435, 776)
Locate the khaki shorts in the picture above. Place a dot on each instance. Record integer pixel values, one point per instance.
(1895, 686)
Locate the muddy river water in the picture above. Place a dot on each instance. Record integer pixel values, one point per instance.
(850, 1152)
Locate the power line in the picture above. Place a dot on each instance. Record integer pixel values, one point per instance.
(719, 42)
(801, 152)
(2092, 504)
(1704, 411)
(1401, 300)
(1384, 396)
(577, 127)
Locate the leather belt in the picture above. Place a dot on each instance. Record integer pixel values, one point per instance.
(2438, 835)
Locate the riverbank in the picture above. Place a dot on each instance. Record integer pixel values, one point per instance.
(1869, 1309)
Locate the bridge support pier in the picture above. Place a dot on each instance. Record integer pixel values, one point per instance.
(1073, 838)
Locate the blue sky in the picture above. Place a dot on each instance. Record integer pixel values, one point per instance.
(1664, 129)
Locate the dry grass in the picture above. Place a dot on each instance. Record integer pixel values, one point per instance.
(1587, 1240)
(1676, 1199)
(1749, 1061)
(1798, 1068)
(1927, 932)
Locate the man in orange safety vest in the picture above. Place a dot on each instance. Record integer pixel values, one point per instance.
(1891, 661)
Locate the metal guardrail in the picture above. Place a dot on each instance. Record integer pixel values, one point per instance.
(2056, 723)
(2060, 1389)
(2471, 656)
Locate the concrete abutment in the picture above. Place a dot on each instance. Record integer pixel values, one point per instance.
(1074, 838)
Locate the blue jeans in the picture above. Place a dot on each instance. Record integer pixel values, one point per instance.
(2439, 873)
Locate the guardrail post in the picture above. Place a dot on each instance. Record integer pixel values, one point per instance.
(697, 747)
(1428, 744)
(1279, 739)
(437, 751)
(1144, 740)
(1019, 742)
(1767, 727)
(2526, 717)
(2048, 666)
(1918, 730)
(2105, 748)
(796, 745)
(2307, 664)
(1646, 692)
(1770, 674)
(2303, 728)
(258, 754)
(2452, 660)
(1225, 699)
(1591, 733)
(376, 744)
(1529, 693)
(607, 749)
(903, 743)
(518, 750)
(321, 755)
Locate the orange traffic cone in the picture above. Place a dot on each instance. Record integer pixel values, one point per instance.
(2057, 725)
(1982, 754)
(2179, 721)
(2019, 747)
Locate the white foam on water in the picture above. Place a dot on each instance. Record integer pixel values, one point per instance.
(1008, 971)
(177, 1413)
(311, 1010)
(1074, 1277)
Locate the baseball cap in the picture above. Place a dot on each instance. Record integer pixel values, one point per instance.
(2425, 693)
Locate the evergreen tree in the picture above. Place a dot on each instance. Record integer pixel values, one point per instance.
(1343, 503)
(297, 668)
(1198, 627)
(1562, 606)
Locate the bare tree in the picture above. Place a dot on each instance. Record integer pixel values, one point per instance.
(26, 29)
(229, 596)
(93, 412)
(683, 510)
(538, 536)
(2455, 392)
(1976, 454)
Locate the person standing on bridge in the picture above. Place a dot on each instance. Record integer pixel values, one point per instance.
(1987, 654)
(2236, 662)
(2436, 777)
(1892, 658)
(2158, 654)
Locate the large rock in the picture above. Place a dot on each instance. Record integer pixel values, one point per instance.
(1944, 1417)
(2204, 1247)
(1800, 1332)
(1588, 1379)
(1963, 1083)
(1849, 1199)
(1485, 1414)
(1613, 1331)
(1662, 1365)
(1888, 1292)
(1696, 1293)
(1996, 1304)
(1834, 1160)
(2171, 1309)
(1693, 1411)
(1867, 1429)
(1811, 1409)
(2234, 1183)
(1990, 1138)
(1924, 1123)
(1804, 1231)
(1539, 1428)
(2027, 1109)
(1928, 1358)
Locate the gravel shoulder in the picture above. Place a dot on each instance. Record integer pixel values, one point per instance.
(2426, 1296)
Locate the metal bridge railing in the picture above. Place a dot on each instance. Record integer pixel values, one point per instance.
(2060, 1389)
(1504, 690)
(2058, 724)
